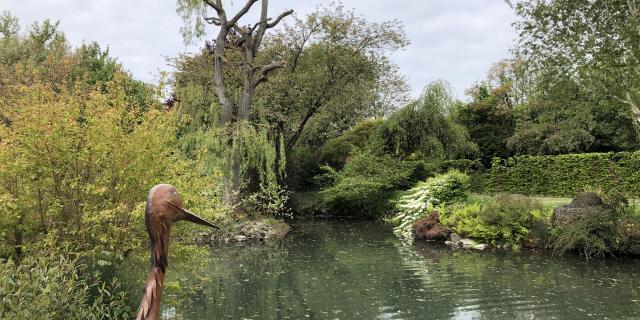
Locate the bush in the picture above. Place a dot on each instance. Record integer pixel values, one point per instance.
(593, 235)
(565, 175)
(50, 285)
(629, 233)
(364, 186)
(505, 218)
(442, 189)
(337, 151)
(611, 229)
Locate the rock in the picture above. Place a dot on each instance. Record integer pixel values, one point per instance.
(240, 238)
(583, 205)
(480, 246)
(466, 243)
(459, 242)
(429, 228)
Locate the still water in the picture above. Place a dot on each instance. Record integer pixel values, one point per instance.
(344, 270)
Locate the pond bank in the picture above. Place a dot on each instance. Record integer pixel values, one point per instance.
(255, 230)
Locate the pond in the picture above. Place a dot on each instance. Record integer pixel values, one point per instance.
(349, 270)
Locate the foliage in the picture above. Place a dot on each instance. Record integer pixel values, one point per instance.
(595, 234)
(565, 175)
(587, 75)
(270, 201)
(52, 285)
(489, 117)
(364, 185)
(501, 219)
(629, 234)
(336, 73)
(565, 117)
(416, 202)
(424, 128)
(81, 143)
(612, 230)
(337, 151)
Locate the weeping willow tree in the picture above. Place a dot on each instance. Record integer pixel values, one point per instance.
(424, 128)
(201, 137)
(239, 67)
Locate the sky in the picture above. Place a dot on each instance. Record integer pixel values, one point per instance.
(453, 40)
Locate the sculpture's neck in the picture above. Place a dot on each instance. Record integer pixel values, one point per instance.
(150, 305)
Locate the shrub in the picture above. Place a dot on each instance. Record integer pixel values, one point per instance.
(442, 189)
(629, 233)
(504, 218)
(565, 175)
(593, 235)
(364, 185)
(336, 151)
(50, 285)
(614, 228)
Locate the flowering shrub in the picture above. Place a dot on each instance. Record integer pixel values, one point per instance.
(442, 189)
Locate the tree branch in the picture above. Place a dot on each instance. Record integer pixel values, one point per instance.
(279, 18)
(216, 6)
(292, 141)
(212, 20)
(263, 25)
(242, 12)
(265, 70)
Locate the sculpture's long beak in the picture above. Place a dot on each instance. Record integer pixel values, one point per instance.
(192, 217)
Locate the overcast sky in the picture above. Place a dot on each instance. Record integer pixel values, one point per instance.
(454, 40)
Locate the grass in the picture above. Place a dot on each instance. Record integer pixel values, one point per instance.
(545, 201)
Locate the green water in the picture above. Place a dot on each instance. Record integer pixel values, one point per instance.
(329, 270)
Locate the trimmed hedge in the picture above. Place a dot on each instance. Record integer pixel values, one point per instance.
(564, 175)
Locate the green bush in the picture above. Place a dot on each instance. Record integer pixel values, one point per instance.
(565, 175)
(593, 235)
(364, 186)
(48, 285)
(629, 235)
(503, 219)
(616, 230)
(613, 230)
(337, 151)
(442, 189)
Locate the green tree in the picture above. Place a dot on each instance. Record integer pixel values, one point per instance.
(236, 102)
(593, 48)
(489, 117)
(335, 71)
(425, 129)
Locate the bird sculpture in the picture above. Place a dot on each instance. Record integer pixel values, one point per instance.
(164, 207)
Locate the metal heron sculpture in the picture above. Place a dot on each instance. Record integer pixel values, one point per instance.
(164, 207)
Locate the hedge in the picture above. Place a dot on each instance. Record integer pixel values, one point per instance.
(564, 175)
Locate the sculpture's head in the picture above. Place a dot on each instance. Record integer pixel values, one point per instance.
(164, 205)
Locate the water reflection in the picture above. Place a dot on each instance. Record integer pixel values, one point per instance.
(361, 271)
